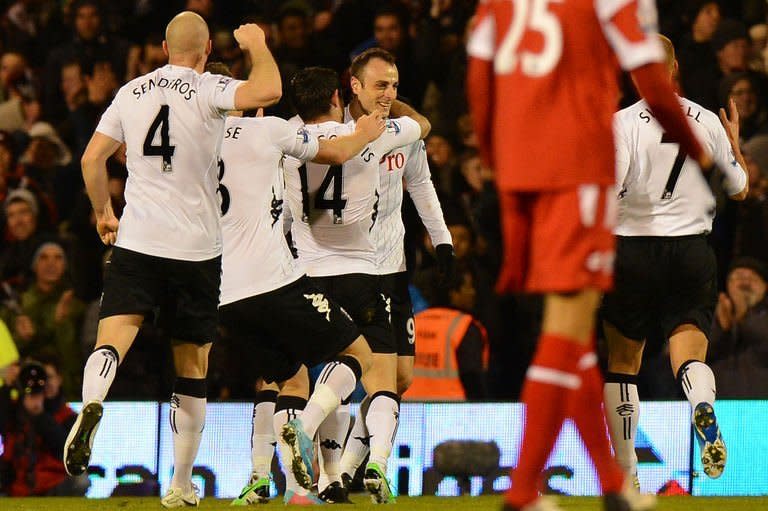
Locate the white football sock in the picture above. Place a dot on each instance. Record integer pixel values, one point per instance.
(358, 443)
(99, 373)
(263, 433)
(332, 434)
(187, 418)
(698, 382)
(622, 409)
(382, 420)
(335, 383)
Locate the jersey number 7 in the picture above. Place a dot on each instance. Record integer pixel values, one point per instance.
(677, 167)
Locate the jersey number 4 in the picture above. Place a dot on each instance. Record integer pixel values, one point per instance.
(531, 15)
(165, 149)
(335, 203)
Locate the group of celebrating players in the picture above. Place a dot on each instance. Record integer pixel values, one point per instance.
(220, 205)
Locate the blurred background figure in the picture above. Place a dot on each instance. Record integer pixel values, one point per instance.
(34, 421)
(452, 348)
(738, 349)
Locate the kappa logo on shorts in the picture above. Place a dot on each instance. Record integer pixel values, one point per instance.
(320, 303)
(387, 306)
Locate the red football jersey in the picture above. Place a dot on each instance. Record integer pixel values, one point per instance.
(546, 102)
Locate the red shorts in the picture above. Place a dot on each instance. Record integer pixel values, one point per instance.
(558, 240)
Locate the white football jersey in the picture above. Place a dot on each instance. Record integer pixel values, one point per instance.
(662, 192)
(256, 256)
(172, 121)
(409, 164)
(334, 207)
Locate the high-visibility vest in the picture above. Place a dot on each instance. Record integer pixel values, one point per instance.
(439, 332)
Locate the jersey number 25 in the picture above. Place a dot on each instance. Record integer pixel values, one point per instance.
(530, 15)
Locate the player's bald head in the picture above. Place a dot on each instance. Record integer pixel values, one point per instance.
(669, 52)
(187, 33)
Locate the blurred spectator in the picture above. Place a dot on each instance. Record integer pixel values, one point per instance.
(731, 44)
(758, 34)
(451, 347)
(47, 321)
(48, 161)
(738, 348)
(18, 106)
(753, 115)
(34, 427)
(442, 163)
(21, 214)
(698, 65)
(90, 43)
(150, 56)
(752, 216)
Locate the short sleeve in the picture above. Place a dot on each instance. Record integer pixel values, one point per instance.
(630, 26)
(110, 124)
(398, 133)
(293, 141)
(621, 145)
(220, 92)
(482, 38)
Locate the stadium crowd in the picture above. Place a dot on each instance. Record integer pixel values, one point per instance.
(62, 62)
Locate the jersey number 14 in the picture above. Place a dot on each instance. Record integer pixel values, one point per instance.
(335, 203)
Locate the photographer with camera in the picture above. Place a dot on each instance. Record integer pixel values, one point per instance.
(34, 421)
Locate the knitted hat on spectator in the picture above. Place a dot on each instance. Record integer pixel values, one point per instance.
(43, 245)
(22, 194)
(728, 30)
(46, 131)
(752, 263)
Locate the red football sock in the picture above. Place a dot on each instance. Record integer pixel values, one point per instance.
(585, 406)
(550, 379)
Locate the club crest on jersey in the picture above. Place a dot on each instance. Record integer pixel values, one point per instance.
(320, 303)
(223, 82)
(303, 135)
(393, 126)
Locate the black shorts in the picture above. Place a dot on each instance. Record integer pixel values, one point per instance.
(660, 284)
(293, 325)
(395, 285)
(363, 298)
(183, 294)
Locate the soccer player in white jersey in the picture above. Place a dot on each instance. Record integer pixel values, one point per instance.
(404, 167)
(334, 209)
(167, 252)
(665, 268)
(266, 300)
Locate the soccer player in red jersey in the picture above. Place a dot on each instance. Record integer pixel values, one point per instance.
(543, 86)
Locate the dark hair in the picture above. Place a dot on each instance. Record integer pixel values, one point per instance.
(311, 90)
(359, 62)
(396, 10)
(292, 11)
(218, 68)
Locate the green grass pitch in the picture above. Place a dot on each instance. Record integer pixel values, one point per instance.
(416, 503)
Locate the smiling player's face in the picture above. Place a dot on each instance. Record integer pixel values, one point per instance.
(377, 87)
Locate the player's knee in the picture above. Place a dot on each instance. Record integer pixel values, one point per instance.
(625, 361)
(360, 350)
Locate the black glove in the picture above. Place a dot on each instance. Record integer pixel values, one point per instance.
(446, 263)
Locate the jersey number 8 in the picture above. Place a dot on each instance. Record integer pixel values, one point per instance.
(531, 15)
